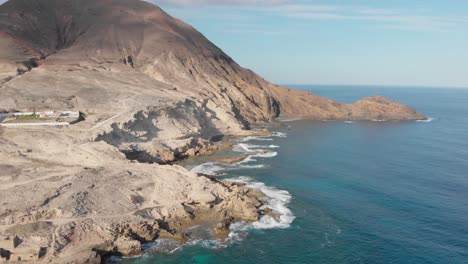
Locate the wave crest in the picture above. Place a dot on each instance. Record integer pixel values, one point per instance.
(210, 168)
(428, 120)
(276, 200)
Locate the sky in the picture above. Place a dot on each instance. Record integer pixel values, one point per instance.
(373, 42)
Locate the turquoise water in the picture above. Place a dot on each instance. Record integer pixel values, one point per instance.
(360, 192)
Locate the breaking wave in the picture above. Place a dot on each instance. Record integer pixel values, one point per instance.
(249, 148)
(280, 134)
(243, 147)
(258, 138)
(428, 120)
(210, 168)
(276, 200)
(251, 166)
(257, 151)
(265, 138)
(291, 119)
(252, 158)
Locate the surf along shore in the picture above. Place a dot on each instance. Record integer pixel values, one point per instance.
(245, 153)
(91, 201)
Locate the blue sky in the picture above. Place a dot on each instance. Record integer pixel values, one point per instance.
(375, 42)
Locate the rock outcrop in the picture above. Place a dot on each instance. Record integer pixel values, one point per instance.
(89, 201)
(296, 103)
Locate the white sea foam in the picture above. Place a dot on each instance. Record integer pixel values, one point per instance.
(259, 166)
(162, 246)
(243, 147)
(252, 158)
(265, 138)
(249, 148)
(349, 122)
(210, 168)
(263, 146)
(210, 243)
(169, 246)
(257, 138)
(276, 200)
(291, 119)
(428, 120)
(260, 151)
(269, 154)
(246, 160)
(280, 134)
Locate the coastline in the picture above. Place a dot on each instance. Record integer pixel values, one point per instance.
(80, 220)
(327, 196)
(113, 182)
(272, 202)
(91, 211)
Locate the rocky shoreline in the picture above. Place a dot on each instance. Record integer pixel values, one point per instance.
(214, 219)
(89, 201)
(77, 210)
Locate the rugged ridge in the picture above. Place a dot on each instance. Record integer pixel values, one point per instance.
(155, 91)
(160, 46)
(163, 48)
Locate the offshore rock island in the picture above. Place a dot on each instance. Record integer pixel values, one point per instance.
(150, 91)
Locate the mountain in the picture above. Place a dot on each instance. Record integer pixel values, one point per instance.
(154, 90)
(161, 47)
(164, 49)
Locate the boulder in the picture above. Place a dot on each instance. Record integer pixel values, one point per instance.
(127, 246)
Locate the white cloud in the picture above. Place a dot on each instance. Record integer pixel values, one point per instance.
(385, 18)
(197, 3)
(388, 18)
(255, 31)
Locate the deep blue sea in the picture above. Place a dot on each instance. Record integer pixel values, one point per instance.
(364, 192)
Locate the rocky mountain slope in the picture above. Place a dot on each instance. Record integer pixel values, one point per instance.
(70, 33)
(93, 55)
(156, 91)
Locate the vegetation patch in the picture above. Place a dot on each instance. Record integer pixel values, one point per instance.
(28, 117)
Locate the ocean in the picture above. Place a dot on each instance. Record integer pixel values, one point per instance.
(363, 192)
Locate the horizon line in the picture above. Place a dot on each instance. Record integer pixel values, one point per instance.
(378, 85)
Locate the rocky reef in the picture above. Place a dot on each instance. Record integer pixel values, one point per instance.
(98, 212)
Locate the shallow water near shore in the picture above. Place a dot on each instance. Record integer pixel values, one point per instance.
(352, 192)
